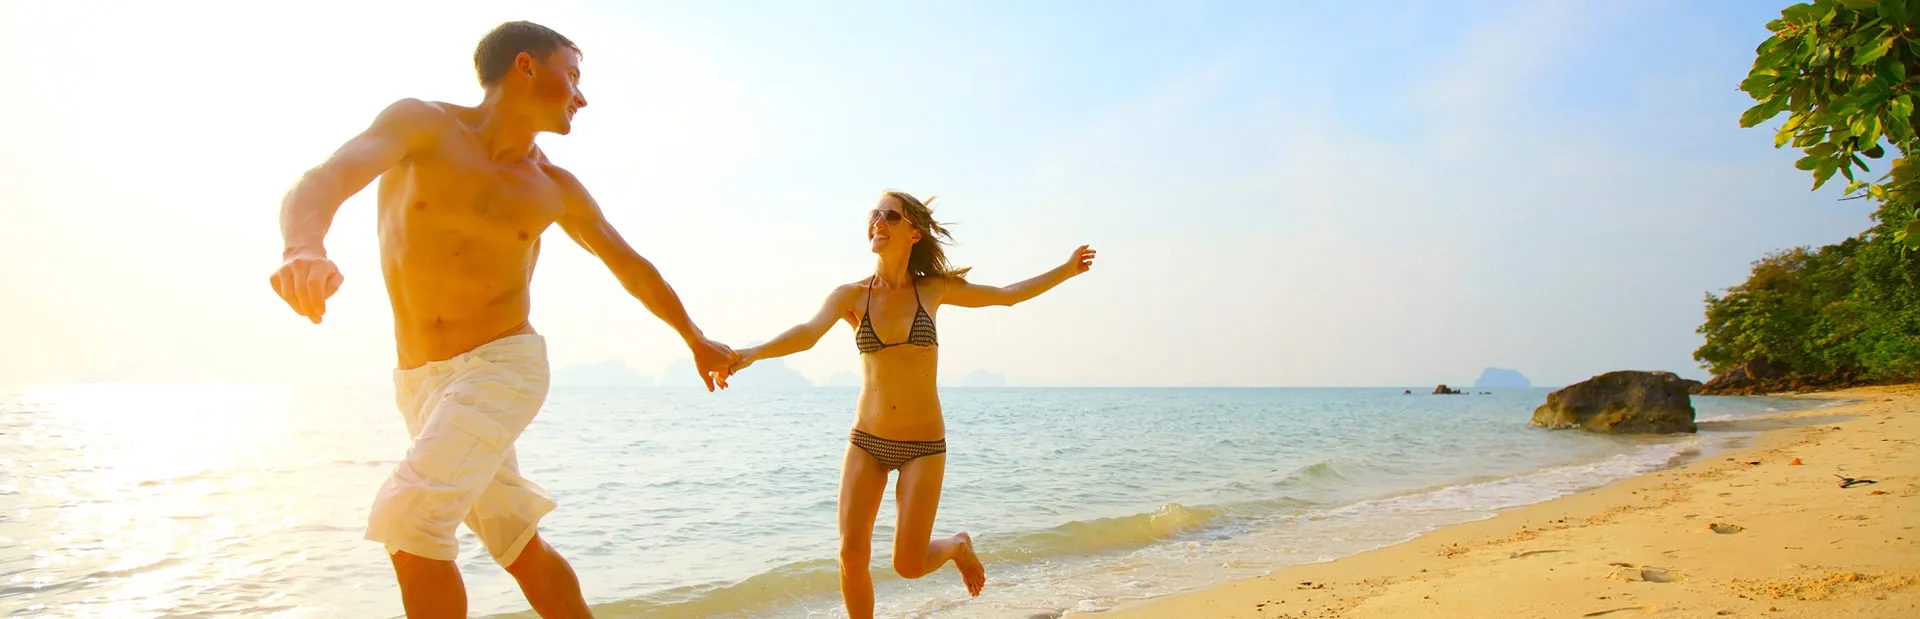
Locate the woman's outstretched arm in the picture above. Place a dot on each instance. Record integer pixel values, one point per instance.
(804, 335)
(965, 294)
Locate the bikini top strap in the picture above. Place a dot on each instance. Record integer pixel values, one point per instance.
(916, 295)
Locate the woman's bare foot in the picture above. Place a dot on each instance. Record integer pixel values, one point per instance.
(971, 571)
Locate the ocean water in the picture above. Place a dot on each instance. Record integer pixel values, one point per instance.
(144, 500)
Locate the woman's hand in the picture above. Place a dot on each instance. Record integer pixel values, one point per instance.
(1080, 261)
(746, 357)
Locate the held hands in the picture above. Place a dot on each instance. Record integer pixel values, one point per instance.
(305, 282)
(1080, 261)
(713, 360)
(747, 357)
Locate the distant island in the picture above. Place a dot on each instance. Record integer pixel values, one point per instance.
(763, 373)
(1501, 378)
(680, 373)
(768, 373)
(609, 373)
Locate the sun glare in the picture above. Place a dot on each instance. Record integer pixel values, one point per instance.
(143, 486)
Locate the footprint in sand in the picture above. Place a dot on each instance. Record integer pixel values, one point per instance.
(1644, 573)
(1725, 528)
(1658, 575)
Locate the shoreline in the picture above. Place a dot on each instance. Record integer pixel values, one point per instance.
(1714, 536)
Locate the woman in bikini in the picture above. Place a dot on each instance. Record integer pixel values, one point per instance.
(897, 423)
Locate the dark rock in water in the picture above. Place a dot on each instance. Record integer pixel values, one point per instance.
(1444, 390)
(1625, 402)
(1493, 378)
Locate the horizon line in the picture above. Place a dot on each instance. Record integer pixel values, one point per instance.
(377, 383)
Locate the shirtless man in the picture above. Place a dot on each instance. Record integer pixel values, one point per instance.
(464, 197)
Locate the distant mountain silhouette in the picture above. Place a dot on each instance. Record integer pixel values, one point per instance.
(763, 373)
(983, 378)
(609, 373)
(679, 373)
(768, 373)
(843, 379)
(1501, 377)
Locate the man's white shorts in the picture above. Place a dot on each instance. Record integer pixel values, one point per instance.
(464, 414)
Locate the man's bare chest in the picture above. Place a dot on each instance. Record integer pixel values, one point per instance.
(476, 196)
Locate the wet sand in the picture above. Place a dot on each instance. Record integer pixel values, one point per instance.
(1764, 530)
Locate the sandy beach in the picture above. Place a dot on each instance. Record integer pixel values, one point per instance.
(1763, 530)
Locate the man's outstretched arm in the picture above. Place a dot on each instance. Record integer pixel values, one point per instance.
(587, 225)
(306, 278)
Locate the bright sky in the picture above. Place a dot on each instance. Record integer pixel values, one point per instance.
(1399, 193)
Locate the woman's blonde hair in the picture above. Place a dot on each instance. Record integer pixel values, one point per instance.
(928, 259)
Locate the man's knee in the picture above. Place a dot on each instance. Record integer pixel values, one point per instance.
(533, 559)
(429, 587)
(408, 565)
(408, 559)
(855, 553)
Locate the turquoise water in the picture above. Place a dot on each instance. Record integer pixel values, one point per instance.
(152, 500)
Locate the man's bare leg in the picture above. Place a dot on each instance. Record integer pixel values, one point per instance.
(548, 581)
(429, 588)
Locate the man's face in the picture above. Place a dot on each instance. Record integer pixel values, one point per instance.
(555, 91)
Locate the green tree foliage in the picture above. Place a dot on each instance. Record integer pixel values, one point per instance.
(1846, 74)
(1839, 68)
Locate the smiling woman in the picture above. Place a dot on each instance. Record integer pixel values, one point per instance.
(899, 424)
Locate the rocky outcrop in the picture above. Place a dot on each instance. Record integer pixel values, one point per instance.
(1761, 377)
(1751, 378)
(1625, 402)
(1445, 390)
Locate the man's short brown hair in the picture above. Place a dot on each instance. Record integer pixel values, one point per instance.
(495, 54)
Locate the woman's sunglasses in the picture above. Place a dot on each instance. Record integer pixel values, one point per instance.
(891, 216)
